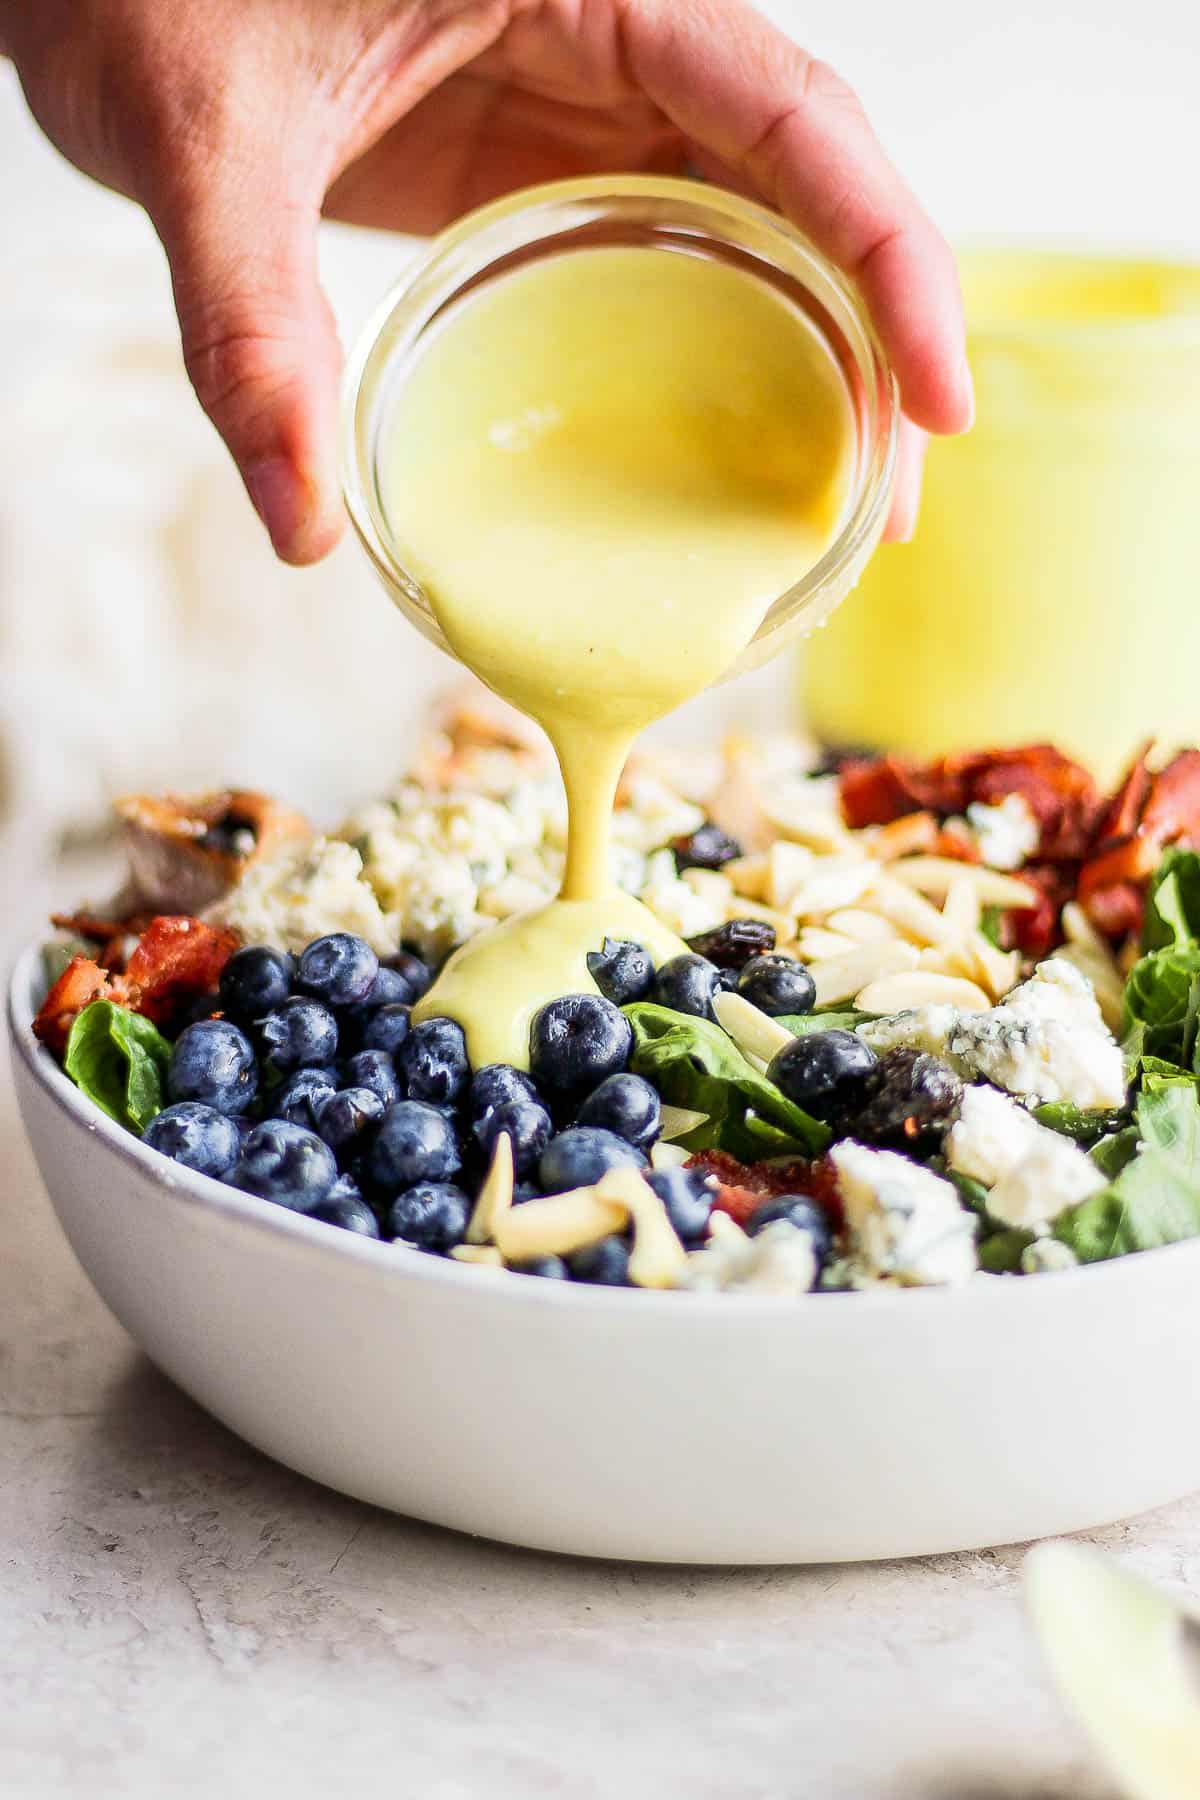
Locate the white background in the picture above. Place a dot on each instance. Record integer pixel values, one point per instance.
(146, 637)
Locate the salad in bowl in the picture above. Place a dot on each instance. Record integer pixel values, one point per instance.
(934, 1023)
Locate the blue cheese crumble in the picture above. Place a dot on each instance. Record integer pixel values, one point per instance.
(904, 1224)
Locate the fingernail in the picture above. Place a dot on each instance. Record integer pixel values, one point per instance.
(280, 499)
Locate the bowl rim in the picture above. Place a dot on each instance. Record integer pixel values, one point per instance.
(401, 1263)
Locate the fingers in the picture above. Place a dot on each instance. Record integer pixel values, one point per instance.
(750, 98)
(260, 345)
(906, 490)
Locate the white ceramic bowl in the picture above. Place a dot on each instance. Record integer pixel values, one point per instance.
(605, 1422)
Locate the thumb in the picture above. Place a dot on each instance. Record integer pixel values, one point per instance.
(260, 346)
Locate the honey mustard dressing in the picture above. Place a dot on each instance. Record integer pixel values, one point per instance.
(603, 468)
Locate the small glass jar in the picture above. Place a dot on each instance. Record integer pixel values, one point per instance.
(1050, 591)
(631, 211)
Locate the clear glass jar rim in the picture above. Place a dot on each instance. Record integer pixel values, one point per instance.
(820, 588)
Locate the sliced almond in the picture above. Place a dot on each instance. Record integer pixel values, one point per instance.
(710, 885)
(815, 944)
(999, 970)
(486, 1255)
(752, 1030)
(495, 1196)
(911, 913)
(806, 821)
(841, 977)
(835, 881)
(921, 987)
(788, 868)
(749, 876)
(1080, 930)
(962, 910)
(860, 926)
(558, 1224)
(933, 875)
(677, 1121)
(658, 1259)
(668, 1156)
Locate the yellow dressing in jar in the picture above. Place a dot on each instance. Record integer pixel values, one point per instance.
(596, 476)
(1050, 591)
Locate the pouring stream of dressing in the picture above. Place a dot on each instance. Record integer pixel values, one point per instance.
(604, 467)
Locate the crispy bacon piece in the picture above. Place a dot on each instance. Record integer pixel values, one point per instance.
(1150, 810)
(81, 982)
(1060, 793)
(175, 960)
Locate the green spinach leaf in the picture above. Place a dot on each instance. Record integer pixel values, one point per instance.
(119, 1060)
(693, 1063)
(1155, 1199)
(1000, 1254)
(801, 1024)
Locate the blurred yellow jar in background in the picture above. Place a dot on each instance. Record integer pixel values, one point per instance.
(1052, 589)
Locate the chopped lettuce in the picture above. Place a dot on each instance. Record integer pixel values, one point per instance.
(1155, 1198)
(1162, 995)
(119, 1060)
(693, 1063)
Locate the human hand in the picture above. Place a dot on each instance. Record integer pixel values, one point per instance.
(238, 122)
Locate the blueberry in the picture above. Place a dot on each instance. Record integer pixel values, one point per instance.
(708, 847)
(415, 1143)
(413, 969)
(432, 1062)
(433, 1216)
(345, 1118)
(687, 984)
(626, 1105)
(550, 1268)
(777, 984)
(213, 1062)
(525, 1190)
(387, 989)
(338, 969)
(197, 1136)
(387, 1028)
(621, 970)
(298, 1034)
(495, 1085)
(286, 1164)
(824, 1072)
(528, 1126)
(256, 979)
(802, 1212)
(605, 1264)
(576, 1041)
(349, 1211)
(373, 1069)
(298, 1098)
(687, 1196)
(580, 1156)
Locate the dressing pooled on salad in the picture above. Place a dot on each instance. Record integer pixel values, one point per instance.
(604, 468)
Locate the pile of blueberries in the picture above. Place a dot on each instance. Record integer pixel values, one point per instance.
(315, 1090)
